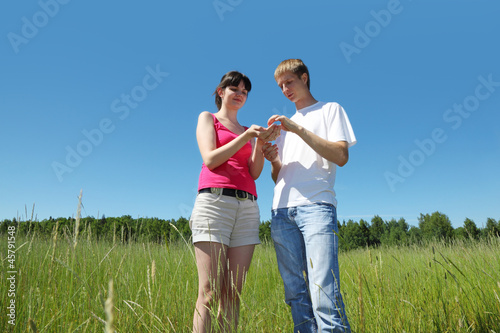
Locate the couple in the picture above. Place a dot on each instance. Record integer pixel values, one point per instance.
(225, 219)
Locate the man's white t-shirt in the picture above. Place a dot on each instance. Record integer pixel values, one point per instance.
(306, 177)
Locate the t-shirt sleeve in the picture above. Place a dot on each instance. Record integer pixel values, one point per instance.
(340, 128)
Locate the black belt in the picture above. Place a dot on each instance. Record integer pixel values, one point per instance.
(238, 194)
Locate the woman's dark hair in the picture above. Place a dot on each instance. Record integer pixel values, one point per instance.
(232, 78)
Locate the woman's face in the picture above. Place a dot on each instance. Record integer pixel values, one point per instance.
(234, 97)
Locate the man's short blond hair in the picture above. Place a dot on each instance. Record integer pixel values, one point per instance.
(296, 66)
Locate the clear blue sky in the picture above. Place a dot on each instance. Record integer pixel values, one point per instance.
(104, 97)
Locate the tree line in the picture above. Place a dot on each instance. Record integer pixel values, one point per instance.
(352, 234)
(435, 226)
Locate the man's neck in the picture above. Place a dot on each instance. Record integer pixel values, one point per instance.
(305, 102)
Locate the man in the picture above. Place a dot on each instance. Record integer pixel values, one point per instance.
(314, 141)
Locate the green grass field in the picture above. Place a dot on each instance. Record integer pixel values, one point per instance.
(61, 287)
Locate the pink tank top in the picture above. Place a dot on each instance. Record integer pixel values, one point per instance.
(234, 173)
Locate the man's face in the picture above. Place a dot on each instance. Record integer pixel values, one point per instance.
(292, 86)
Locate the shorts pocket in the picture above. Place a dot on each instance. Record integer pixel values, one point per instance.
(208, 198)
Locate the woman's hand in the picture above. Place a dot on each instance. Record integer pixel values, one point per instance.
(256, 131)
(270, 134)
(273, 132)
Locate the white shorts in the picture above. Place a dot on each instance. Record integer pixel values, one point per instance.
(224, 219)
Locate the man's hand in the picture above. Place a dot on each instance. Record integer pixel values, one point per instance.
(286, 124)
(336, 152)
(270, 152)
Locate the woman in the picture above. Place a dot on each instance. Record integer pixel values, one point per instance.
(225, 219)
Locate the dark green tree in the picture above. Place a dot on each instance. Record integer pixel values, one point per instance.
(492, 228)
(435, 226)
(182, 225)
(265, 232)
(377, 229)
(415, 235)
(364, 229)
(471, 229)
(460, 233)
(340, 228)
(396, 232)
(352, 236)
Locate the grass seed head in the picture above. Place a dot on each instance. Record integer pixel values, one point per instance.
(108, 308)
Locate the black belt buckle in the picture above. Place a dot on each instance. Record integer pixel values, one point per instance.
(241, 195)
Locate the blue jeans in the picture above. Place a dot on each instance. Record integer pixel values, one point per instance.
(307, 251)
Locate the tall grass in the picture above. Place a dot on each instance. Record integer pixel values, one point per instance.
(439, 287)
(99, 286)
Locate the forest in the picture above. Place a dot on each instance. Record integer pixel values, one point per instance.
(353, 234)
